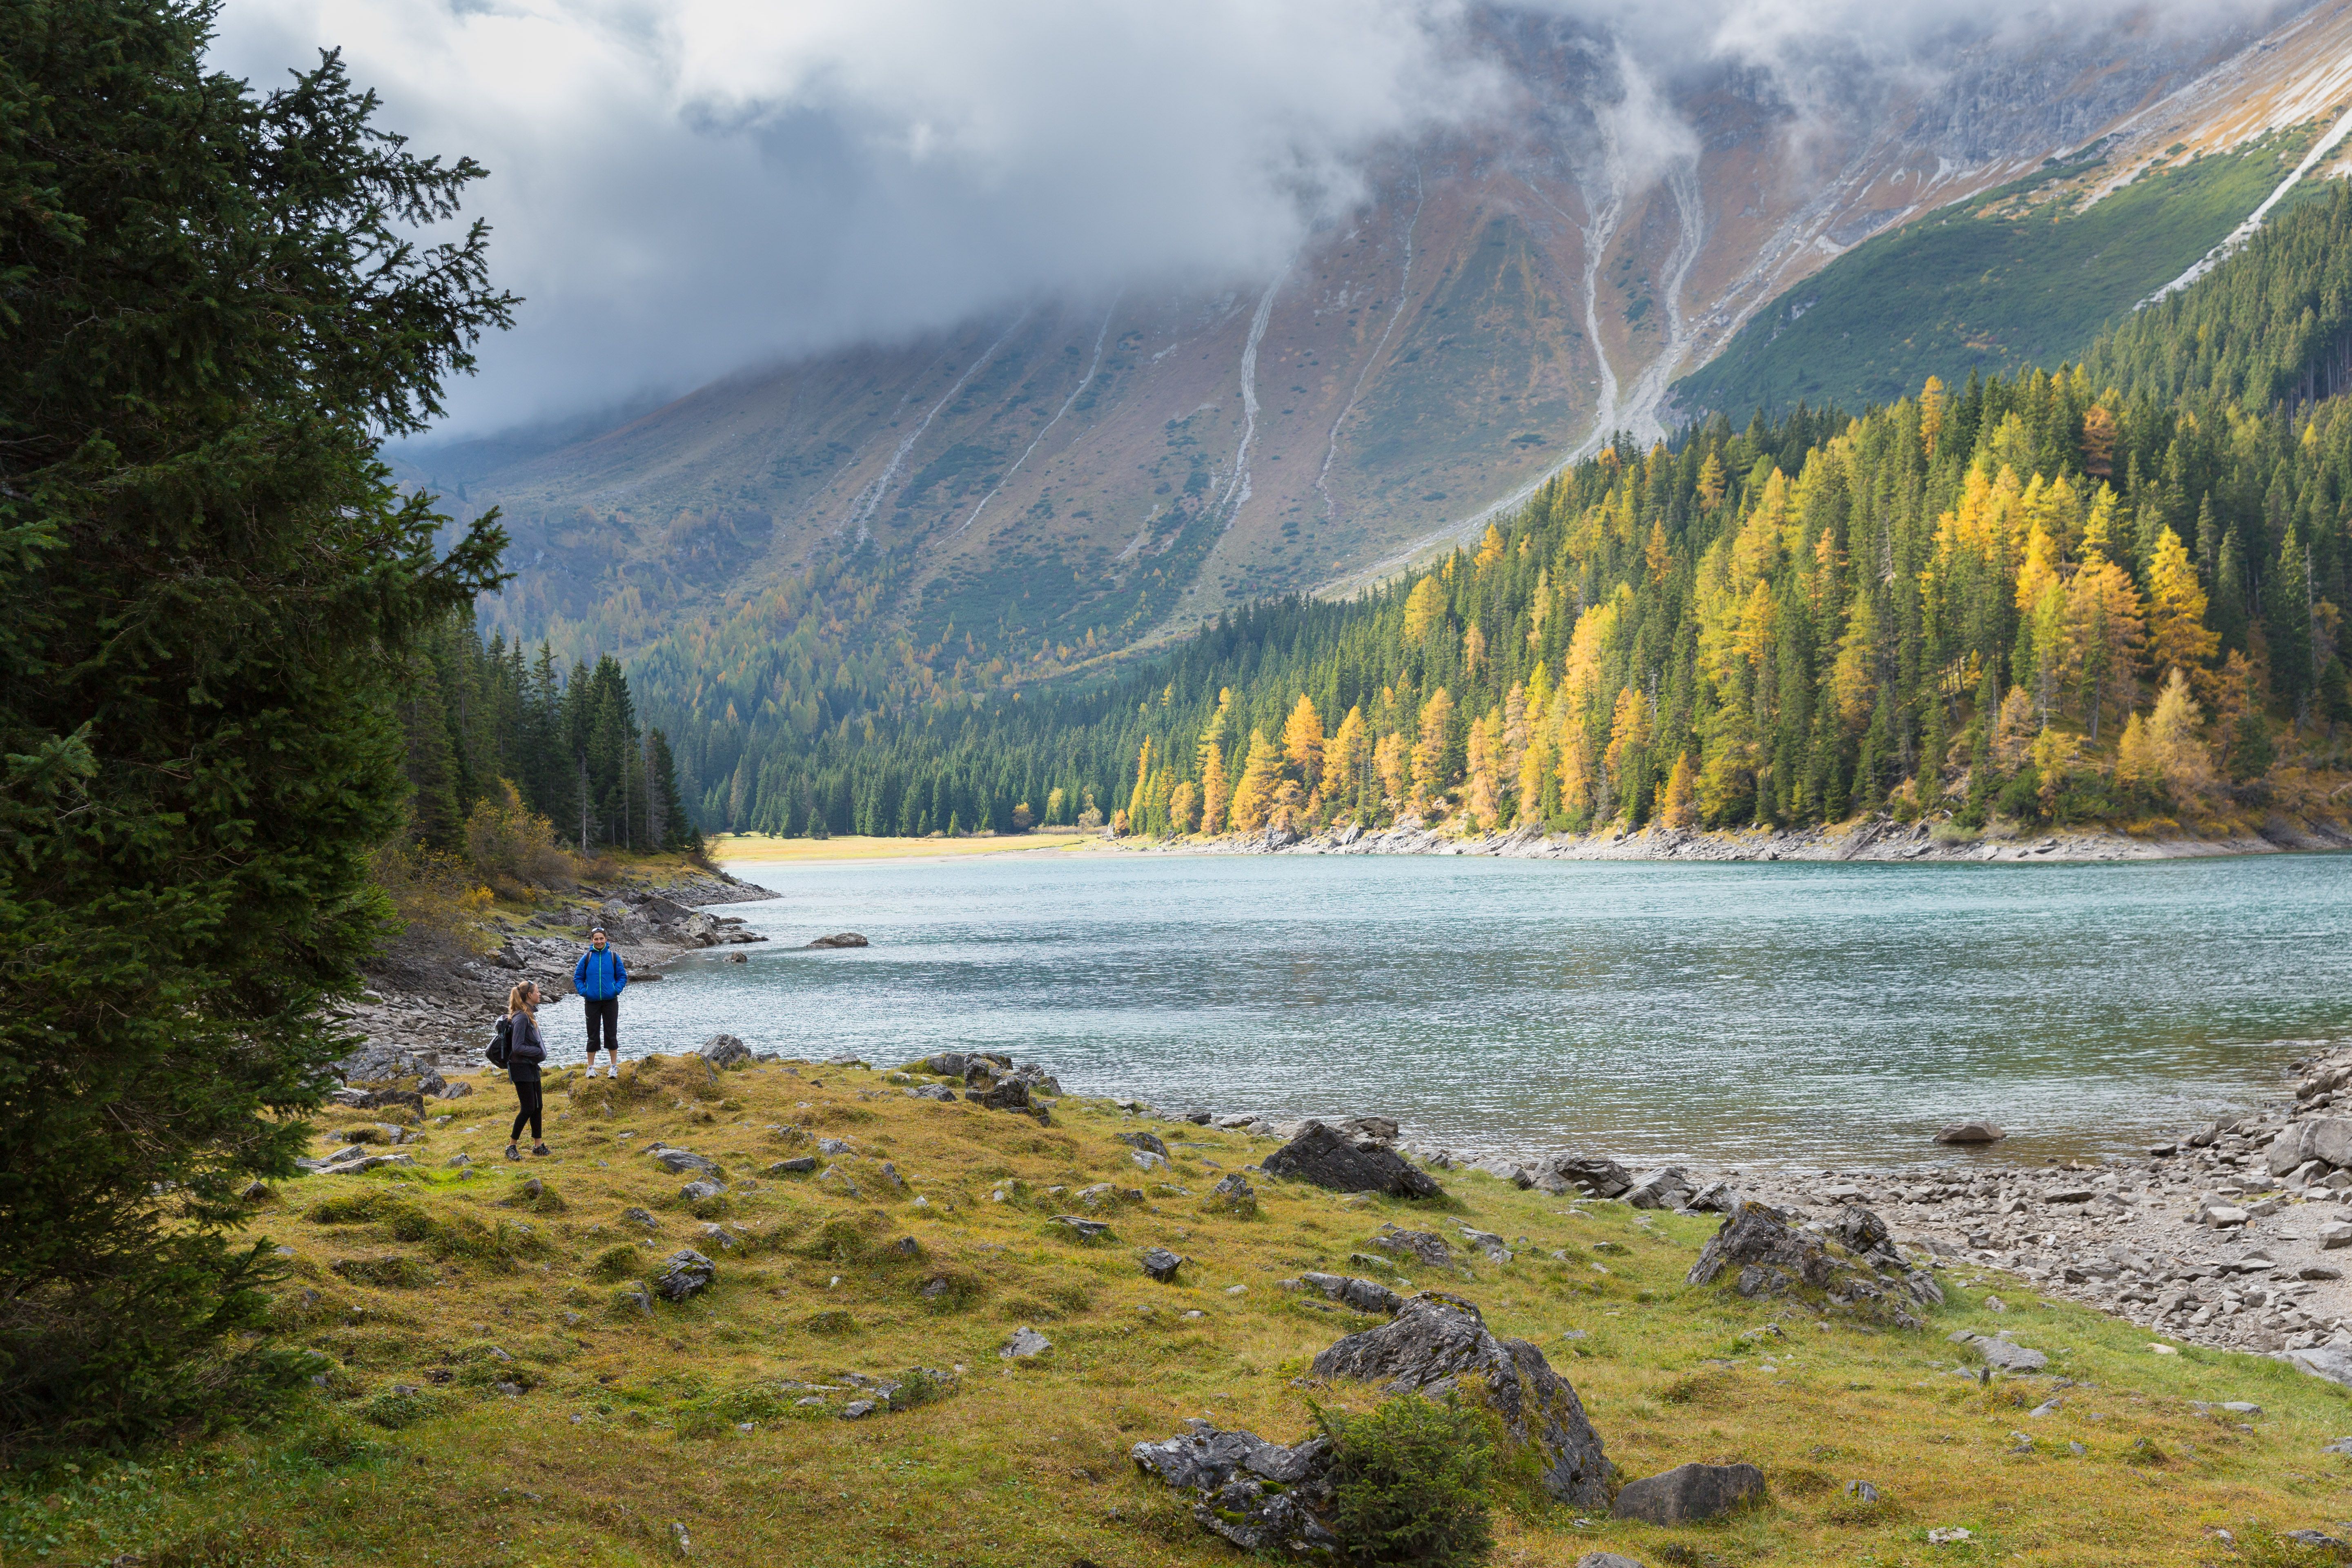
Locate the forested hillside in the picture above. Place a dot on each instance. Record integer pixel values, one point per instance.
(1972, 600)
(479, 717)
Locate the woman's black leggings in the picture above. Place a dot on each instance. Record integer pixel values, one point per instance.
(527, 1094)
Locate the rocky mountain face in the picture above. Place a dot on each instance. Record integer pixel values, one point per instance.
(1072, 477)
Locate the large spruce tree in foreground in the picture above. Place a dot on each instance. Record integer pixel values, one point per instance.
(211, 307)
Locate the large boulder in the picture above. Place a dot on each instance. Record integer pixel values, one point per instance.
(2000, 1353)
(1329, 1158)
(1765, 1256)
(1668, 1187)
(1421, 1246)
(1366, 1296)
(1438, 1342)
(840, 938)
(2328, 1138)
(1688, 1493)
(684, 1274)
(1259, 1495)
(2333, 1363)
(1600, 1176)
(724, 1051)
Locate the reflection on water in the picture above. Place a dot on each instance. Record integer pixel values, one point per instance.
(1790, 1014)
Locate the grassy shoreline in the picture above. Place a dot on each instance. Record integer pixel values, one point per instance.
(629, 1425)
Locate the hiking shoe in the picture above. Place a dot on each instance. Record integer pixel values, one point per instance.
(540, 1149)
(513, 1153)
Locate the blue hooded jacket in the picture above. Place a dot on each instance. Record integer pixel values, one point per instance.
(600, 975)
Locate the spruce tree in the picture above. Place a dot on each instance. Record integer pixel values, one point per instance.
(211, 305)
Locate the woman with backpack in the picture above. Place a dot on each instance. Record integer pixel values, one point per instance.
(524, 1053)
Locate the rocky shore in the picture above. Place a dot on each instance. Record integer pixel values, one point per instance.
(451, 1008)
(2234, 1236)
(1877, 838)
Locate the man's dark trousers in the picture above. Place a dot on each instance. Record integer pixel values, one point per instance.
(604, 1013)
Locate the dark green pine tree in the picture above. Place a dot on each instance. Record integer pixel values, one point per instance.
(208, 587)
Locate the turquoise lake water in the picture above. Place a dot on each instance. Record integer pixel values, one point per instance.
(1798, 1014)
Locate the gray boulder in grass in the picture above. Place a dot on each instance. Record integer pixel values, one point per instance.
(724, 1051)
(683, 1275)
(1688, 1493)
(1260, 1495)
(1439, 1342)
(1329, 1158)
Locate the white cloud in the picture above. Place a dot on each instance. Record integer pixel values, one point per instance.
(683, 189)
(680, 190)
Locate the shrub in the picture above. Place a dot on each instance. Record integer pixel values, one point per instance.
(1409, 1482)
(352, 1208)
(437, 908)
(390, 1273)
(616, 1264)
(394, 1411)
(513, 848)
(831, 1324)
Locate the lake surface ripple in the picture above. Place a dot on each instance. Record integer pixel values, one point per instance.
(1794, 1014)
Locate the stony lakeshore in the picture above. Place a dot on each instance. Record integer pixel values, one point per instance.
(442, 1014)
(2229, 1237)
(1877, 838)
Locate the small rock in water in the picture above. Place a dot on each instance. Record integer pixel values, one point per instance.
(1971, 1133)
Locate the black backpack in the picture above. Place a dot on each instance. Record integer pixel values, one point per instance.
(502, 1042)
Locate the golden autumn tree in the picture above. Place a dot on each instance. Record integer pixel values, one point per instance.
(2177, 635)
(1429, 752)
(2100, 645)
(1216, 797)
(1680, 809)
(1184, 806)
(1482, 796)
(1302, 742)
(1931, 414)
(1343, 755)
(1253, 795)
(1423, 608)
(1388, 760)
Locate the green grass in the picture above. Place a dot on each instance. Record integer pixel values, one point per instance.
(1957, 289)
(630, 1425)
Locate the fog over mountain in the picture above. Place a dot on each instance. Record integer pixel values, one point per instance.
(685, 190)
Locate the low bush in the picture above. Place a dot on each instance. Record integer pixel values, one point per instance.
(616, 1264)
(1409, 1482)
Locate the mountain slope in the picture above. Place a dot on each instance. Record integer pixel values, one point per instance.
(1014, 498)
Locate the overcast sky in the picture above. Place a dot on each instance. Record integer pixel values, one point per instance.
(683, 188)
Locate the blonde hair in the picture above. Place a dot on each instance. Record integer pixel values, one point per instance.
(518, 1002)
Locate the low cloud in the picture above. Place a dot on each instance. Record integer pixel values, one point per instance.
(681, 190)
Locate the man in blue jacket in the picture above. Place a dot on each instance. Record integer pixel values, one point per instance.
(600, 977)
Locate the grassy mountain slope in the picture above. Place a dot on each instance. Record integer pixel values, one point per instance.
(2025, 275)
(430, 1292)
(1965, 605)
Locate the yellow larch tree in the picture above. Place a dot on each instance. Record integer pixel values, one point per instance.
(2177, 635)
(1680, 809)
(1628, 735)
(1429, 751)
(1183, 806)
(1423, 608)
(1388, 762)
(1490, 547)
(1253, 795)
(1343, 755)
(1302, 742)
(2101, 643)
(1482, 800)
(1214, 795)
